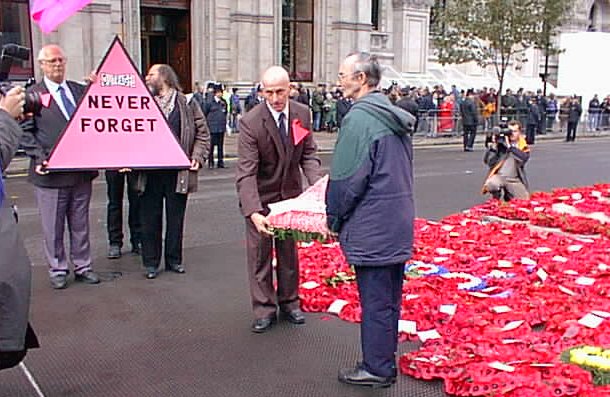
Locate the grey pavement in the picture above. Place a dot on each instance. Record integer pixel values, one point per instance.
(188, 335)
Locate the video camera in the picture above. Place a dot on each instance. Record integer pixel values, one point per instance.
(10, 52)
(503, 132)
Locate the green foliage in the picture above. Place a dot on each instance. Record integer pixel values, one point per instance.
(340, 278)
(491, 32)
(298, 235)
(600, 376)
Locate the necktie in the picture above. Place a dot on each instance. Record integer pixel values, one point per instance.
(68, 105)
(282, 129)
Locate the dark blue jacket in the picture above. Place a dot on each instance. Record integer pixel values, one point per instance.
(370, 193)
(216, 115)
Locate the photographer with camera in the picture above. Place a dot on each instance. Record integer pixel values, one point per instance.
(16, 336)
(506, 157)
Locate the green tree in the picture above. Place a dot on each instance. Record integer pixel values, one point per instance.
(493, 32)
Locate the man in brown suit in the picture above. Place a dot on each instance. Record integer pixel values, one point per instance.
(269, 170)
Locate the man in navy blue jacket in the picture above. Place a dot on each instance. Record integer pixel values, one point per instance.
(370, 205)
(215, 111)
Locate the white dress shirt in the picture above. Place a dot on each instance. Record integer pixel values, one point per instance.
(276, 116)
(54, 91)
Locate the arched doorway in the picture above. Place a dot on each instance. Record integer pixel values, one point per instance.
(599, 17)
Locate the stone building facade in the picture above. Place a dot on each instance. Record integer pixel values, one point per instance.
(234, 40)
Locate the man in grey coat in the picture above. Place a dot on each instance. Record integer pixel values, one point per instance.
(16, 336)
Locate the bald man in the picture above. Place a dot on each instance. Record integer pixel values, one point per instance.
(269, 170)
(63, 197)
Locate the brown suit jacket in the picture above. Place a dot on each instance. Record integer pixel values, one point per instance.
(268, 171)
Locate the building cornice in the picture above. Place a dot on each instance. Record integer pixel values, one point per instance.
(252, 18)
(412, 4)
(97, 8)
(353, 26)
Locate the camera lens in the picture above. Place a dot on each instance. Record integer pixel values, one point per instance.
(33, 103)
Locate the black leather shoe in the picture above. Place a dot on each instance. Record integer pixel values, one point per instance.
(294, 316)
(151, 273)
(114, 252)
(59, 282)
(263, 324)
(360, 377)
(221, 166)
(87, 277)
(176, 269)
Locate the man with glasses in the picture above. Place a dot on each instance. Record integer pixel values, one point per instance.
(63, 197)
(369, 203)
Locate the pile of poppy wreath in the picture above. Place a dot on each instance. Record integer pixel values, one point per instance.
(493, 304)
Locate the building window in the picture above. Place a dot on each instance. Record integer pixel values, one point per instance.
(297, 39)
(375, 14)
(15, 28)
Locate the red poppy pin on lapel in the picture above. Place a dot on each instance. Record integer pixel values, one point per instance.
(298, 131)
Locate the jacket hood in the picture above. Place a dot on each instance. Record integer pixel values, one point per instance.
(396, 119)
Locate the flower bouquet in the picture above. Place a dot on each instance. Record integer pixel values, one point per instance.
(302, 218)
(594, 359)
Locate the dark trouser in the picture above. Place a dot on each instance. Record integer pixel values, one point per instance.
(59, 206)
(116, 186)
(161, 185)
(550, 122)
(542, 124)
(530, 134)
(218, 140)
(260, 273)
(470, 131)
(571, 135)
(380, 289)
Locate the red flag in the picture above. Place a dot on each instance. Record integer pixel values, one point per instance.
(49, 14)
(298, 131)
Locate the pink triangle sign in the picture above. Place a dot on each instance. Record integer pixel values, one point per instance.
(117, 124)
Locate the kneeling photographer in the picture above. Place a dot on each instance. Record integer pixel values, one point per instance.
(506, 157)
(16, 335)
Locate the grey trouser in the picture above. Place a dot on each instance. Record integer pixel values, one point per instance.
(513, 186)
(57, 207)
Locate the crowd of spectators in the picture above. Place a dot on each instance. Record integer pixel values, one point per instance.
(439, 109)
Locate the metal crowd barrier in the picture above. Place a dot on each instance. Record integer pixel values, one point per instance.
(434, 124)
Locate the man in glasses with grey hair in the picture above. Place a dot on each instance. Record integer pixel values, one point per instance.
(370, 205)
(63, 197)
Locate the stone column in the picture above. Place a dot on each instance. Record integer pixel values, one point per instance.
(254, 44)
(84, 37)
(411, 34)
(130, 30)
(351, 31)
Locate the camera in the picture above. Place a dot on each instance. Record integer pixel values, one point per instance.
(10, 52)
(502, 132)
